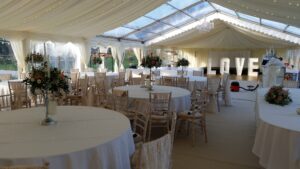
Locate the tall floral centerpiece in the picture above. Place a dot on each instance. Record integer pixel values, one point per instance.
(50, 82)
(277, 95)
(150, 62)
(182, 62)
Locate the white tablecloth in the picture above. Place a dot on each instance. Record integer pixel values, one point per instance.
(277, 140)
(84, 138)
(180, 100)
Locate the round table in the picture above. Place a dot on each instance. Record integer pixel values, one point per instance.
(180, 100)
(84, 137)
(277, 139)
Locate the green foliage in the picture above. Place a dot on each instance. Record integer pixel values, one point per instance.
(151, 61)
(7, 63)
(109, 63)
(182, 62)
(34, 57)
(130, 59)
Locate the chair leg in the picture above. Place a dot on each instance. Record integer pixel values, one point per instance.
(218, 103)
(149, 131)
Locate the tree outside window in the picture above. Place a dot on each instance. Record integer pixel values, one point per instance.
(7, 58)
(130, 60)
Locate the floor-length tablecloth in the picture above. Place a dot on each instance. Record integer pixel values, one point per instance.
(180, 100)
(277, 140)
(84, 138)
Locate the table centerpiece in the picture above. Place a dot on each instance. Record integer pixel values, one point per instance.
(277, 95)
(183, 63)
(50, 83)
(150, 62)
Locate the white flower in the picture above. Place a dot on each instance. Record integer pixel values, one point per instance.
(39, 81)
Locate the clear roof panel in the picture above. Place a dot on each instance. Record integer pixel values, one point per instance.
(294, 30)
(141, 35)
(177, 19)
(223, 9)
(199, 10)
(157, 27)
(249, 17)
(180, 4)
(162, 11)
(273, 24)
(118, 32)
(140, 22)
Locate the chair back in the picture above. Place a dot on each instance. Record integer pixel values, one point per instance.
(5, 76)
(182, 72)
(198, 73)
(168, 81)
(182, 82)
(290, 84)
(100, 76)
(23, 75)
(18, 94)
(140, 124)
(157, 153)
(83, 86)
(74, 79)
(75, 70)
(173, 126)
(160, 102)
(225, 79)
(213, 84)
(136, 81)
(120, 100)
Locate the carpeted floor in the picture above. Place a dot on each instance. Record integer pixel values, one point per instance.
(231, 135)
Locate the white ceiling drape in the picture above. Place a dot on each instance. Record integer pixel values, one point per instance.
(278, 10)
(79, 18)
(224, 36)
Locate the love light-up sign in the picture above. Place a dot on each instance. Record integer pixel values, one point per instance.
(239, 63)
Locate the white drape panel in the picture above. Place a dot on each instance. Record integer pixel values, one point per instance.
(138, 54)
(84, 57)
(120, 53)
(76, 18)
(18, 49)
(293, 57)
(115, 56)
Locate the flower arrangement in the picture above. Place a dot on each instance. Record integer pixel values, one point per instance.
(151, 61)
(97, 60)
(34, 57)
(182, 62)
(277, 95)
(44, 79)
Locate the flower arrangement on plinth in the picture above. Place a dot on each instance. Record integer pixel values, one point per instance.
(277, 95)
(151, 61)
(48, 81)
(182, 62)
(34, 58)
